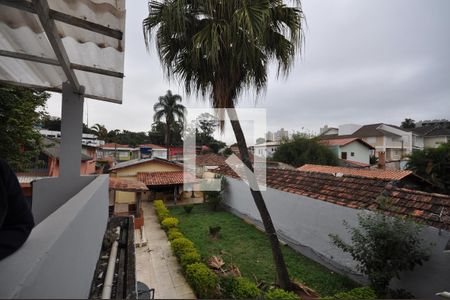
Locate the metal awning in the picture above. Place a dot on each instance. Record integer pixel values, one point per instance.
(44, 43)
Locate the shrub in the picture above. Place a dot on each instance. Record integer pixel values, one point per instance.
(189, 258)
(158, 204)
(169, 222)
(174, 233)
(188, 208)
(162, 214)
(202, 279)
(357, 293)
(242, 288)
(379, 239)
(181, 246)
(281, 294)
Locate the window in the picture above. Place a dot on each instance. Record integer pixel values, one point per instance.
(352, 154)
(344, 155)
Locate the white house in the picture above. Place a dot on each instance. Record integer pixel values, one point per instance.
(352, 149)
(266, 149)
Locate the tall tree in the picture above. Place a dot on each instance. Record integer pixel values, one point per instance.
(220, 49)
(20, 112)
(171, 111)
(408, 123)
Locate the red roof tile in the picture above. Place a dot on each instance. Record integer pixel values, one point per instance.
(166, 178)
(210, 159)
(344, 141)
(369, 173)
(360, 192)
(127, 185)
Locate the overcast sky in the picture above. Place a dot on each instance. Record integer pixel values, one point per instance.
(363, 62)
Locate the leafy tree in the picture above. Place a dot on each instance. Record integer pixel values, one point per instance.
(157, 135)
(20, 111)
(220, 49)
(300, 151)
(169, 109)
(408, 123)
(51, 123)
(433, 164)
(384, 247)
(100, 131)
(213, 197)
(260, 141)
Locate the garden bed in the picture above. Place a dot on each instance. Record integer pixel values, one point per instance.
(245, 246)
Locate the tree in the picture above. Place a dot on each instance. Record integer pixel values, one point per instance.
(300, 151)
(100, 131)
(51, 123)
(384, 246)
(434, 165)
(20, 111)
(220, 49)
(260, 141)
(408, 123)
(169, 109)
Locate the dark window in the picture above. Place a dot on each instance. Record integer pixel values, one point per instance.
(352, 154)
(344, 155)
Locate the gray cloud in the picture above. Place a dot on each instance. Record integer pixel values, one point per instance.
(363, 62)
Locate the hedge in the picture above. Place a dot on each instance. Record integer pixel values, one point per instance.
(202, 279)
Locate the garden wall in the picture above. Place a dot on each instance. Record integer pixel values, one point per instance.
(305, 223)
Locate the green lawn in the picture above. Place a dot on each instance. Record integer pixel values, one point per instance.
(248, 248)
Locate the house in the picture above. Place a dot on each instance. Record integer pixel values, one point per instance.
(266, 149)
(119, 152)
(164, 179)
(392, 142)
(152, 150)
(87, 138)
(433, 136)
(351, 149)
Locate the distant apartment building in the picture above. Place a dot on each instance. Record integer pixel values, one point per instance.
(393, 142)
(277, 136)
(270, 136)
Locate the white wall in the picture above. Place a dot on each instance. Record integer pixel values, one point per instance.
(361, 152)
(434, 142)
(160, 153)
(305, 223)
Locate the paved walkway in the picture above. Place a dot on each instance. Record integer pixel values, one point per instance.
(156, 266)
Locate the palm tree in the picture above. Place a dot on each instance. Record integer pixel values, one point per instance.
(169, 109)
(100, 131)
(220, 49)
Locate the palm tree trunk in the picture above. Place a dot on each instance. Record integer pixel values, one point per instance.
(167, 138)
(280, 266)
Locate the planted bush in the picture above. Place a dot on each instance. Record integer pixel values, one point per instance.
(281, 294)
(174, 233)
(357, 293)
(181, 246)
(202, 279)
(188, 208)
(169, 222)
(214, 231)
(242, 288)
(189, 258)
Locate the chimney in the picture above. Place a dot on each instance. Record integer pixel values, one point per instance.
(381, 160)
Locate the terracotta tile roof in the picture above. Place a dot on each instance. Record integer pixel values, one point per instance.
(126, 185)
(359, 193)
(369, 173)
(153, 146)
(210, 159)
(165, 178)
(353, 164)
(344, 142)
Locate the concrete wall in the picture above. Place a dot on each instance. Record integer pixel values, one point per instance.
(59, 258)
(50, 193)
(305, 223)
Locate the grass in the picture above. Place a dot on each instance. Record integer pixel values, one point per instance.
(248, 248)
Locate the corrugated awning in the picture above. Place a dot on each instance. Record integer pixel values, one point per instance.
(44, 43)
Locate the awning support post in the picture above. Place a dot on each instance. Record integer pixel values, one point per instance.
(71, 132)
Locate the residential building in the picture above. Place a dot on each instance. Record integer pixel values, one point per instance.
(266, 149)
(280, 135)
(325, 130)
(87, 138)
(119, 152)
(270, 136)
(352, 149)
(163, 178)
(393, 142)
(152, 150)
(433, 136)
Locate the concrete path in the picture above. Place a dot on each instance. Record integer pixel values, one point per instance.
(156, 266)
